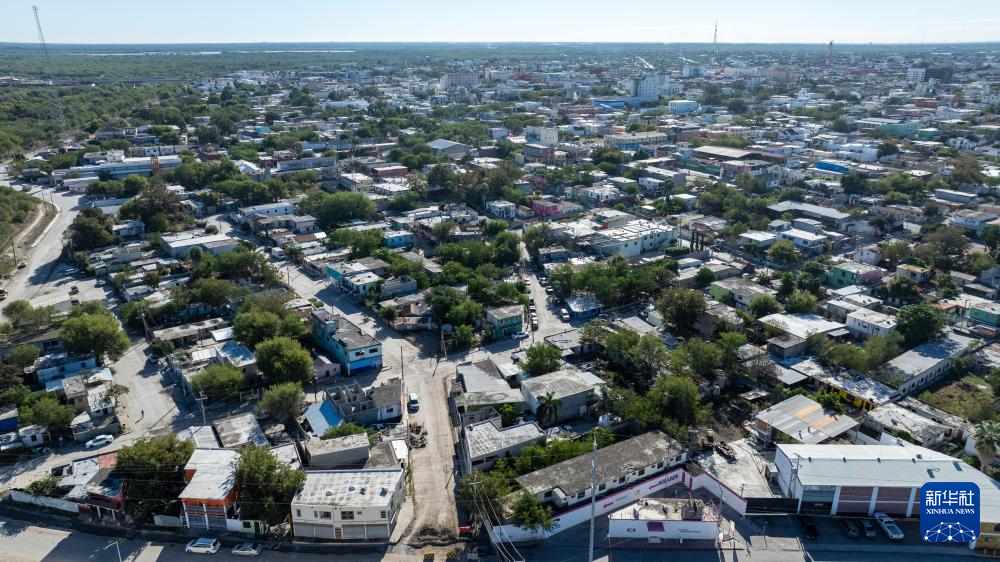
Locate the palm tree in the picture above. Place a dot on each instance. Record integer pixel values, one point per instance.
(548, 407)
(987, 443)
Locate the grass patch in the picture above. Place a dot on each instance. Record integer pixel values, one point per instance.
(970, 397)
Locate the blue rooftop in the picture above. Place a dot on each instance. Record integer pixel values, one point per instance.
(322, 416)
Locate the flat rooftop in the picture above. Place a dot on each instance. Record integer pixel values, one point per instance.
(350, 488)
(485, 438)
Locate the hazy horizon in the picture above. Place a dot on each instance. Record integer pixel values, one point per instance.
(185, 22)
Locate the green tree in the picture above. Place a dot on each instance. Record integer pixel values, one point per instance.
(267, 485)
(991, 236)
(763, 305)
(99, 334)
(700, 356)
(255, 326)
(482, 492)
(896, 252)
(219, 382)
(22, 356)
(681, 307)
(548, 409)
(343, 430)
(155, 469)
(465, 336)
(678, 396)
(542, 358)
(283, 359)
(919, 322)
(215, 292)
(730, 343)
(801, 301)
(531, 514)
(45, 486)
(784, 252)
(704, 277)
(650, 356)
(283, 401)
(49, 413)
(987, 442)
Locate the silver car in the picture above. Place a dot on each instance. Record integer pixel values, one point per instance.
(247, 549)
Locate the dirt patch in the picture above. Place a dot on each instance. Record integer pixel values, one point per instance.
(433, 536)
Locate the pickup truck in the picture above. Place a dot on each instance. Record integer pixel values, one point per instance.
(889, 526)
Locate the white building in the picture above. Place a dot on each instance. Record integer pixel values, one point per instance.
(501, 209)
(634, 238)
(656, 519)
(348, 504)
(864, 322)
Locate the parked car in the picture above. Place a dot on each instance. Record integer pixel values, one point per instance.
(247, 549)
(3, 294)
(868, 529)
(520, 335)
(203, 545)
(414, 403)
(74, 290)
(808, 526)
(548, 290)
(889, 526)
(100, 441)
(564, 314)
(851, 528)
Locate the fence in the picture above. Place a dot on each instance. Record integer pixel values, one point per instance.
(513, 533)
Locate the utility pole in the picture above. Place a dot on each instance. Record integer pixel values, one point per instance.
(115, 544)
(201, 402)
(402, 366)
(593, 493)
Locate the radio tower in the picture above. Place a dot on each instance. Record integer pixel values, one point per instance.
(715, 43)
(829, 54)
(41, 36)
(57, 109)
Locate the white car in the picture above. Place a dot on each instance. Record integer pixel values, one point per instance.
(247, 549)
(889, 526)
(203, 545)
(100, 441)
(520, 335)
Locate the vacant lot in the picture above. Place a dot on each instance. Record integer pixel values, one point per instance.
(970, 397)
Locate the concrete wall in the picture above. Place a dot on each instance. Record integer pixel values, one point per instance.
(613, 502)
(19, 496)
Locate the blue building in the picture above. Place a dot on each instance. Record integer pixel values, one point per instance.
(398, 239)
(355, 350)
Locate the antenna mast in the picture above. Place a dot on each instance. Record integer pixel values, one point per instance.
(715, 42)
(41, 36)
(829, 54)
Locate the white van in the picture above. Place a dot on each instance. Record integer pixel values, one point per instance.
(413, 404)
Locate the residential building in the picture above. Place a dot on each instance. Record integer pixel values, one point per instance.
(801, 420)
(486, 442)
(505, 320)
(926, 363)
(348, 505)
(849, 273)
(634, 238)
(365, 406)
(863, 323)
(738, 291)
(355, 350)
(568, 483)
(209, 496)
(501, 209)
(573, 389)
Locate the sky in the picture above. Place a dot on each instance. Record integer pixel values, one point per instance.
(660, 21)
